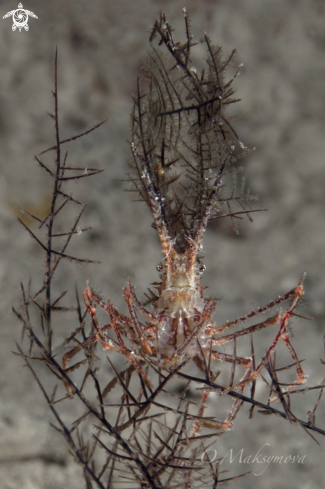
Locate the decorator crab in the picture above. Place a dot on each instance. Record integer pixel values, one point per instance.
(184, 163)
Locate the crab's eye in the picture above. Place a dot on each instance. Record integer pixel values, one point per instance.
(202, 267)
(159, 267)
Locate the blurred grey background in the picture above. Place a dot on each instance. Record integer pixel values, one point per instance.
(282, 114)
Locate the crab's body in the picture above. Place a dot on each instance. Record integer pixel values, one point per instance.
(180, 306)
(178, 327)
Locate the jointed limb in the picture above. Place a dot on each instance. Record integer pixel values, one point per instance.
(282, 334)
(144, 311)
(249, 374)
(89, 298)
(202, 321)
(227, 423)
(119, 323)
(111, 345)
(296, 292)
(142, 340)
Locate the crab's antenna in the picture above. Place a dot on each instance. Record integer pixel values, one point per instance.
(207, 210)
(155, 201)
(184, 139)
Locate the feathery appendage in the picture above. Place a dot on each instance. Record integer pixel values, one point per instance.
(183, 140)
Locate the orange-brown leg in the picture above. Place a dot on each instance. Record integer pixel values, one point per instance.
(296, 292)
(227, 423)
(90, 298)
(203, 319)
(141, 338)
(282, 333)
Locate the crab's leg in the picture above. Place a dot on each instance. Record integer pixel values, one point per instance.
(252, 329)
(89, 297)
(212, 424)
(123, 320)
(155, 320)
(128, 296)
(93, 339)
(181, 351)
(248, 364)
(225, 357)
(196, 427)
(283, 334)
(293, 293)
(125, 323)
(130, 355)
(107, 344)
(114, 315)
